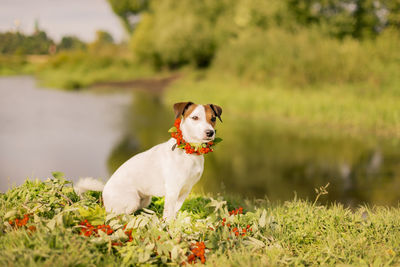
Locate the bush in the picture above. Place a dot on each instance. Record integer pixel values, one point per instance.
(20, 44)
(307, 57)
(166, 41)
(265, 41)
(77, 68)
(173, 33)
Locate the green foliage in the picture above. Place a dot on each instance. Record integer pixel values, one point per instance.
(71, 43)
(304, 41)
(20, 44)
(167, 42)
(126, 8)
(358, 110)
(292, 233)
(77, 68)
(359, 19)
(309, 58)
(103, 38)
(12, 65)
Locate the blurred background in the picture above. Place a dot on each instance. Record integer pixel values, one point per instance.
(310, 91)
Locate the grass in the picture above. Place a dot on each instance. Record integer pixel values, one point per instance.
(291, 233)
(78, 69)
(15, 65)
(347, 110)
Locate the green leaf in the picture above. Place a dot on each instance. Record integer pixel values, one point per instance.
(10, 214)
(255, 242)
(217, 140)
(173, 130)
(58, 175)
(174, 253)
(263, 218)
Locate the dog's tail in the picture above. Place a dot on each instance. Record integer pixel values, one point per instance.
(86, 184)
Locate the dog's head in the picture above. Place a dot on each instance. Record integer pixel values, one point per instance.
(198, 121)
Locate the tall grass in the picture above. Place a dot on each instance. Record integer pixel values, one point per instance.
(346, 110)
(306, 58)
(14, 65)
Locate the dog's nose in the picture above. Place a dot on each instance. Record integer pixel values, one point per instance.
(209, 133)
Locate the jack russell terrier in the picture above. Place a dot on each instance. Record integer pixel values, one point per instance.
(169, 169)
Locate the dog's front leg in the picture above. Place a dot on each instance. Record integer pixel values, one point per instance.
(180, 201)
(169, 206)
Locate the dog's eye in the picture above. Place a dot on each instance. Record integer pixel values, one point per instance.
(213, 119)
(195, 118)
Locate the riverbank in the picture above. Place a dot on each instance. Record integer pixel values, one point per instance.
(365, 108)
(348, 110)
(216, 231)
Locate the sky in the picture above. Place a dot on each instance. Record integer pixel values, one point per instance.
(61, 17)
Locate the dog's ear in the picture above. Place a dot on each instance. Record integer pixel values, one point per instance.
(180, 108)
(217, 110)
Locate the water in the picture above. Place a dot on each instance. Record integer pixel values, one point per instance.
(47, 130)
(86, 134)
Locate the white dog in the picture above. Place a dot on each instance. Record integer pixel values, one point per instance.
(163, 170)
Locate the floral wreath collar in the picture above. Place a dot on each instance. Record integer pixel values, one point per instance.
(190, 148)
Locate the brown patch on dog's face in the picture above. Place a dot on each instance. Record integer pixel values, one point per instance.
(182, 108)
(212, 113)
(189, 110)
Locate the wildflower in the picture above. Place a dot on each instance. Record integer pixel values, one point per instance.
(88, 229)
(197, 253)
(18, 223)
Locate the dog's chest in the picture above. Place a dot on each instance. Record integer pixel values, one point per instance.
(188, 168)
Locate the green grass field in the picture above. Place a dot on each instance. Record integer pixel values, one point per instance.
(16, 65)
(79, 69)
(346, 110)
(296, 232)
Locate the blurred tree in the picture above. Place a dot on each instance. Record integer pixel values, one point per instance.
(390, 10)
(366, 18)
(103, 37)
(357, 18)
(127, 10)
(18, 43)
(71, 43)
